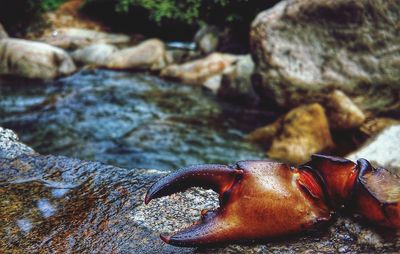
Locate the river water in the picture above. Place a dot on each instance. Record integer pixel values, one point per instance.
(131, 120)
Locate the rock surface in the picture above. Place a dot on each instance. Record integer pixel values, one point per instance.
(72, 38)
(382, 150)
(148, 55)
(342, 112)
(3, 33)
(198, 71)
(303, 49)
(96, 54)
(58, 204)
(34, 60)
(297, 135)
(207, 39)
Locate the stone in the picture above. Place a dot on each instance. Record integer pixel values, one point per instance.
(374, 126)
(382, 150)
(148, 55)
(213, 83)
(207, 39)
(3, 33)
(297, 135)
(198, 71)
(33, 60)
(96, 54)
(10, 147)
(236, 85)
(342, 112)
(56, 204)
(73, 38)
(304, 49)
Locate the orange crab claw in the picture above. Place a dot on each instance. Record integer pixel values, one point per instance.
(377, 195)
(258, 199)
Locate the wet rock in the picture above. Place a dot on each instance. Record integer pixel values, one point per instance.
(198, 71)
(3, 33)
(297, 135)
(58, 204)
(72, 38)
(374, 126)
(10, 147)
(148, 55)
(303, 49)
(236, 82)
(342, 112)
(207, 39)
(36, 60)
(180, 56)
(382, 150)
(96, 54)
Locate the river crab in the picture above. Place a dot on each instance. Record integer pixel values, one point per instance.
(262, 199)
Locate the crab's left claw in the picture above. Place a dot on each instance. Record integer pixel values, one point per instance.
(258, 199)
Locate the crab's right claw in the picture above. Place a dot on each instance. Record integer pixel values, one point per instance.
(377, 195)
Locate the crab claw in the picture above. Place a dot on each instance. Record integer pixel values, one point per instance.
(258, 199)
(377, 195)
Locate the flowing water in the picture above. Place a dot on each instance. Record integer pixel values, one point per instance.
(128, 119)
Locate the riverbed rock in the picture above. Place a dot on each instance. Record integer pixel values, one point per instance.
(73, 38)
(304, 49)
(382, 150)
(148, 55)
(372, 127)
(236, 83)
(34, 60)
(96, 54)
(342, 112)
(198, 71)
(3, 33)
(296, 136)
(207, 39)
(53, 204)
(10, 147)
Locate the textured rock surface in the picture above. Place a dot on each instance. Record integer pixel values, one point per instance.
(148, 55)
(206, 39)
(304, 48)
(96, 54)
(297, 135)
(342, 112)
(383, 150)
(72, 38)
(36, 60)
(54, 204)
(3, 33)
(198, 71)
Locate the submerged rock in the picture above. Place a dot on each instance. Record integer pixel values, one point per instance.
(148, 55)
(198, 71)
(72, 38)
(297, 135)
(35, 60)
(3, 33)
(58, 204)
(303, 49)
(96, 54)
(382, 150)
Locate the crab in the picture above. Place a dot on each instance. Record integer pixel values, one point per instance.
(260, 199)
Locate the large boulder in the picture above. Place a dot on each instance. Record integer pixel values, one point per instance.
(55, 204)
(303, 49)
(382, 150)
(3, 33)
(72, 38)
(33, 60)
(96, 54)
(198, 71)
(148, 55)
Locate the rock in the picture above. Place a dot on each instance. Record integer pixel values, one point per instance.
(198, 71)
(342, 112)
(148, 55)
(56, 204)
(296, 136)
(180, 56)
(236, 82)
(382, 150)
(3, 33)
(372, 127)
(207, 39)
(72, 38)
(33, 60)
(303, 49)
(10, 147)
(213, 83)
(96, 54)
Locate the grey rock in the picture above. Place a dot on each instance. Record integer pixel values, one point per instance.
(10, 146)
(35, 60)
(382, 150)
(303, 49)
(207, 39)
(3, 33)
(96, 54)
(59, 204)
